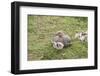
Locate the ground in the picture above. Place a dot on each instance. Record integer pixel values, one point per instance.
(41, 30)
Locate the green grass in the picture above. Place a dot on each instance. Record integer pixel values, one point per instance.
(41, 30)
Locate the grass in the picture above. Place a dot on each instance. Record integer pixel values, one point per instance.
(41, 30)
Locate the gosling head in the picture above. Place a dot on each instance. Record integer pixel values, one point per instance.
(58, 45)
